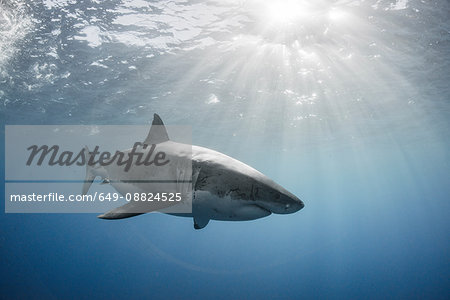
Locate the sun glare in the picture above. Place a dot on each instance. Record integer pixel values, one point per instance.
(336, 15)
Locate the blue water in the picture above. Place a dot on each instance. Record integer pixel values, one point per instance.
(344, 103)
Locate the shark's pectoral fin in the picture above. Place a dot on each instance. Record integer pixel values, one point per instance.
(125, 211)
(200, 222)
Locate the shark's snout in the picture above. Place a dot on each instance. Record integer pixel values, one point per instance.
(299, 205)
(283, 202)
(292, 203)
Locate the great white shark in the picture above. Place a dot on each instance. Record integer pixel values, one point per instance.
(223, 188)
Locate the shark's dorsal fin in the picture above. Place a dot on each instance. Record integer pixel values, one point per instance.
(158, 132)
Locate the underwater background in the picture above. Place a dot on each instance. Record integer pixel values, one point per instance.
(344, 103)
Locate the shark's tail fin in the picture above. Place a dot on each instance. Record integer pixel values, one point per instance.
(90, 172)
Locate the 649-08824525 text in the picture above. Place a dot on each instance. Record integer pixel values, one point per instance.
(109, 197)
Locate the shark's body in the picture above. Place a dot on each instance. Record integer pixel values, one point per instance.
(223, 188)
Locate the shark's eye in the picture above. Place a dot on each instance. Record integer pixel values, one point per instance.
(287, 206)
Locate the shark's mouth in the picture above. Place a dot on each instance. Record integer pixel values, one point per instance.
(263, 208)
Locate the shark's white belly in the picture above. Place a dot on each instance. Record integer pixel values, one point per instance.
(213, 207)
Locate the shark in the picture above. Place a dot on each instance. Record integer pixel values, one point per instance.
(221, 188)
